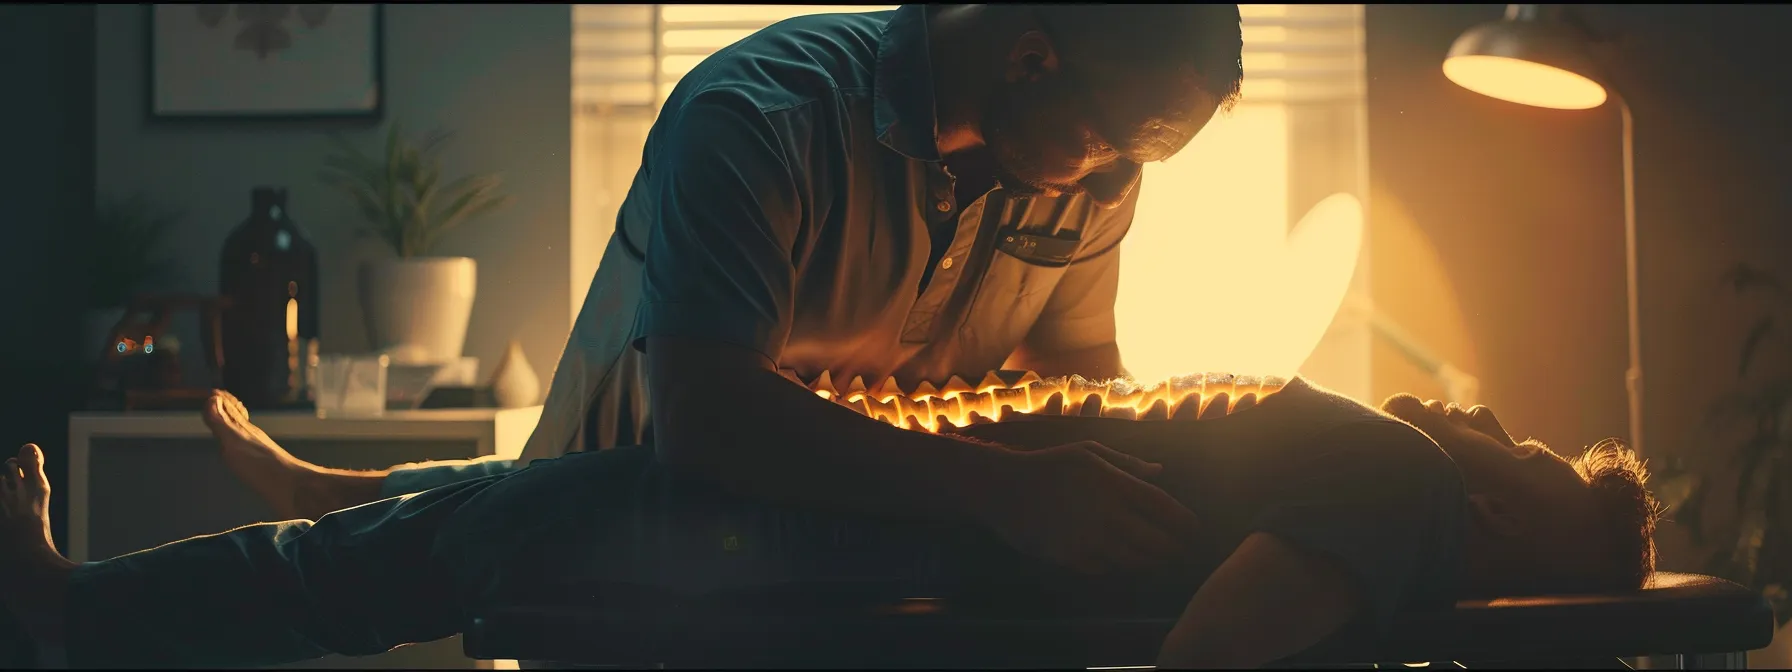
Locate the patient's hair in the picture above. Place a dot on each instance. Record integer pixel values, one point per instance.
(1616, 477)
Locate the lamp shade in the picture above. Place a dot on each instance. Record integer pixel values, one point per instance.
(1526, 61)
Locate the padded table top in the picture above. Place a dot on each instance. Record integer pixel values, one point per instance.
(854, 625)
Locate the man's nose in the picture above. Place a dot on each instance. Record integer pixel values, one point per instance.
(1481, 418)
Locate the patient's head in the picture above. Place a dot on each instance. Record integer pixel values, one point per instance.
(1542, 523)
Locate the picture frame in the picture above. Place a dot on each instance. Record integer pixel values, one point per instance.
(268, 62)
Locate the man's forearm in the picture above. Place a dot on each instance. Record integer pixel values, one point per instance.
(763, 437)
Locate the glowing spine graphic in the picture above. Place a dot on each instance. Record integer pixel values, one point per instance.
(957, 403)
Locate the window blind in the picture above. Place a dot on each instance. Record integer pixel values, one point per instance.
(631, 56)
(1297, 54)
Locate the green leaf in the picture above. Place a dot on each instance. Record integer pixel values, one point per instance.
(1757, 334)
(1776, 561)
(1759, 543)
(1748, 457)
(388, 186)
(472, 196)
(124, 252)
(343, 145)
(1730, 408)
(400, 195)
(363, 174)
(433, 142)
(1746, 555)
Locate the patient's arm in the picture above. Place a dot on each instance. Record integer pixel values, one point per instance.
(1268, 601)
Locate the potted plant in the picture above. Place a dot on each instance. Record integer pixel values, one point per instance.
(124, 254)
(1753, 546)
(415, 305)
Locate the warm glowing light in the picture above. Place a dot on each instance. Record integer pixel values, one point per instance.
(292, 319)
(1212, 278)
(693, 32)
(1261, 12)
(764, 14)
(1260, 34)
(1524, 82)
(1206, 228)
(678, 65)
(1299, 297)
(704, 38)
(1000, 394)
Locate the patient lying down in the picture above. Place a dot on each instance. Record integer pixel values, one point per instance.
(1410, 507)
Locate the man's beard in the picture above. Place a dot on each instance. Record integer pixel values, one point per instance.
(1015, 170)
(1023, 187)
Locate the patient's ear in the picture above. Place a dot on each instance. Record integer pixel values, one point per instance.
(1497, 515)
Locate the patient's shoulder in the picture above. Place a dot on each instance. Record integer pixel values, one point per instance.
(1396, 448)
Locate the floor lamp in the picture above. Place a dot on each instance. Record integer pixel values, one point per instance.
(1536, 56)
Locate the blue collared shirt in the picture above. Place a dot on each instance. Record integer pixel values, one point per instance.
(784, 204)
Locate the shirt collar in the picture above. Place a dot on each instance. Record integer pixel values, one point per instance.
(905, 115)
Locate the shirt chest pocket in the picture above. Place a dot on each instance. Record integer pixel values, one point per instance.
(1023, 271)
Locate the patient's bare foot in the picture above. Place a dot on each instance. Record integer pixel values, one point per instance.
(33, 576)
(293, 487)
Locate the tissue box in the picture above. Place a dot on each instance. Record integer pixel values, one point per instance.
(407, 385)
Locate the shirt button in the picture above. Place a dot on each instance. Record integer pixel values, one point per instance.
(943, 206)
(946, 264)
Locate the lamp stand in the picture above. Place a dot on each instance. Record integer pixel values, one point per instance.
(1633, 376)
(1633, 373)
(1521, 36)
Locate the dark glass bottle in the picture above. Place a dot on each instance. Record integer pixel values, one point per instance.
(268, 275)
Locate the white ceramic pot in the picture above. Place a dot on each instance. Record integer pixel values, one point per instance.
(416, 310)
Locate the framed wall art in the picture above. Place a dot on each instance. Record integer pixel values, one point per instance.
(265, 61)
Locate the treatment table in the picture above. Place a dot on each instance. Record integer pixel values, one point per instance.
(1707, 623)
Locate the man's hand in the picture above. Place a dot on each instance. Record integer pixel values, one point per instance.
(1086, 507)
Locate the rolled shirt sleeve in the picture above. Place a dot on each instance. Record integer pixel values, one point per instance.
(718, 264)
(1080, 312)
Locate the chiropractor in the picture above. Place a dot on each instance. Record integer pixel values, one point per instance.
(931, 191)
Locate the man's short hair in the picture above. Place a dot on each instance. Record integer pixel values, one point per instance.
(1616, 477)
(1208, 37)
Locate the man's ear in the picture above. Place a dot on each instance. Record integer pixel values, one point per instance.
(1032, 58)
(1496, 514)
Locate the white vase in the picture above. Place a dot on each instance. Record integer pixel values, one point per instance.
(416, 310)
(514, 384)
